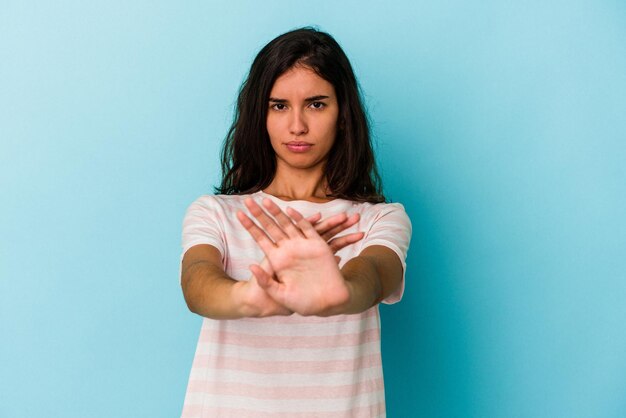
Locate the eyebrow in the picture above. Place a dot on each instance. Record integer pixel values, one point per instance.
(308, 99)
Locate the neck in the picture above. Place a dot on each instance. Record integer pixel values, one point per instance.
(290, 184)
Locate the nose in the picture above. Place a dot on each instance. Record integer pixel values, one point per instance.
(297, 123)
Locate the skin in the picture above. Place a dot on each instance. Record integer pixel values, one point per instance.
(211, 293)
(294, 116)
(300, 272)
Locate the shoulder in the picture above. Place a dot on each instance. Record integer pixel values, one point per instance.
(386, 208)
(210, 220)
(373, 213)
(214, 209)
(386, 224)
(209, 200)
(219, 203)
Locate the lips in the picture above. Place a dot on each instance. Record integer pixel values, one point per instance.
(298, 146)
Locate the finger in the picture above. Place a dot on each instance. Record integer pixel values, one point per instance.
(304, 225)
(262, 277)
(352, 220)
(257, 233)
(283, 311)
(329, 223)
(272, 288)
(266, 221)
(265, 265)
(285, 222)
(265, 281)
(314, 219)
(338, 243)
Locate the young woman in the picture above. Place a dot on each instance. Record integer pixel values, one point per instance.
(289, 262)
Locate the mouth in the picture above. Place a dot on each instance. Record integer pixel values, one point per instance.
(298, 146)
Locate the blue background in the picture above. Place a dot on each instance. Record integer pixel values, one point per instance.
(499, 125)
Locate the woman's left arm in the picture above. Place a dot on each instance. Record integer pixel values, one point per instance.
(371, 277)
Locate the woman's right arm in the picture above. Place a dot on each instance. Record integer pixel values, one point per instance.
(211, 293)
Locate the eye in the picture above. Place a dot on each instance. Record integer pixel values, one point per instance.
(278, 106)
(318, 105)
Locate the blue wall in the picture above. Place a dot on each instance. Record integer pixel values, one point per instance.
(500, 126)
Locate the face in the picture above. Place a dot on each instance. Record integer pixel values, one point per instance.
(302, 119)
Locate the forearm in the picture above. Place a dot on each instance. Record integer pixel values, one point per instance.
(364, 285)
(210, 292)
(371, 277)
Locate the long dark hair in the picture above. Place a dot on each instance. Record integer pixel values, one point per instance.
(248, 159)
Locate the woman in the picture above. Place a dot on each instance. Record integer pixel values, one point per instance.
(291, 324)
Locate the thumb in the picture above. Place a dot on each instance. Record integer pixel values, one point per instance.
(262, 277)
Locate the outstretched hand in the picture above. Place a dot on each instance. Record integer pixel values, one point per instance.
(302, 274)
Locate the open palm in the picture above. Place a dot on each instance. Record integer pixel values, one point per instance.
(307, 279)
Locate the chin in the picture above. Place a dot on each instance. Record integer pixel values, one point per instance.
(301, 163)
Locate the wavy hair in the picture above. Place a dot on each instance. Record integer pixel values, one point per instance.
(248, 159)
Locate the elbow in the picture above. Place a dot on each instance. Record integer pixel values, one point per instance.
(185, 286)
(190, 305)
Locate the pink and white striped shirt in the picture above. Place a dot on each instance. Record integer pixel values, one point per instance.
(291, 366)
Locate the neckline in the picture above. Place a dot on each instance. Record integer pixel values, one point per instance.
(282, 202)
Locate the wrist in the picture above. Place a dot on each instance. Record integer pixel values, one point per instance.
(363, 293)
(339, 300)
(354, 301)
(241, 303)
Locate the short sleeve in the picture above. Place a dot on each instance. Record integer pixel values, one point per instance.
(391, 228)
(202, 224)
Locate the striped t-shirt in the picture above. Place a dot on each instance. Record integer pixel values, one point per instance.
(288, 366)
